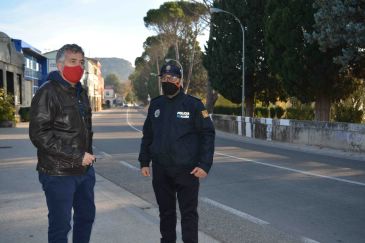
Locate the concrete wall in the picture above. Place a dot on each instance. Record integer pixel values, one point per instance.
(336, 135)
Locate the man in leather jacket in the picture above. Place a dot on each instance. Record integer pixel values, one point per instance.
(178, 136)
(60, 129)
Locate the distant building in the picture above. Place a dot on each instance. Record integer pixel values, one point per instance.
(93, 83)
(51, 60)
(11, 70)
(109, 95)
(35, 70)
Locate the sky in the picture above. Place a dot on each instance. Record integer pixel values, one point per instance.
(103, 28)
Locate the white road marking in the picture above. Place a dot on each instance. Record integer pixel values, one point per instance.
(105, 155)
(307, 240)
(227, 208)
(240, 213)
(294, 170)
(234, 211)
(126, 164)
(130, 123)
(275, 166)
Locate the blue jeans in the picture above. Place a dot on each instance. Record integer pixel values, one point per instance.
(64, 193)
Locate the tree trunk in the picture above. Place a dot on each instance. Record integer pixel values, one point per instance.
(177, 55)
(191, 65)
(158, 77)
(322, 108)
(249, 106)
(212, 97)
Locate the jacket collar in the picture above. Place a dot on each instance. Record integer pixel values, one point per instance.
(56, 76)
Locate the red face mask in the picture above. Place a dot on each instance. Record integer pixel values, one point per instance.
(73, 74)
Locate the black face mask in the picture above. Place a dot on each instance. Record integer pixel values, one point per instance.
(169, 88)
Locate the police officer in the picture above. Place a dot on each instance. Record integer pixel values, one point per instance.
(178, 136)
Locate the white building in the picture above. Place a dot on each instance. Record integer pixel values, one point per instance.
(51, 63)
(109, 96)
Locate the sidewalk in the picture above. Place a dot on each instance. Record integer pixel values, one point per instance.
(121, 217)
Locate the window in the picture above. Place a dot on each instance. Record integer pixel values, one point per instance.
(35, 88)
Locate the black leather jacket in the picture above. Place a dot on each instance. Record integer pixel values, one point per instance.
(60, 127)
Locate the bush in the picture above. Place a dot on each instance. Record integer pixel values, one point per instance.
(235, 111)
(261, 112)
(24, 113)
(105, 106)
(226, 107)
(279, 112)
(7, 109)
(272, 112)
(303, 113)
(348, 114)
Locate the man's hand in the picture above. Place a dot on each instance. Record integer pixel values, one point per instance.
(199, 172)
(145, 171)
(88, 159)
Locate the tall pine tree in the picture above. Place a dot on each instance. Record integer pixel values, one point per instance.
(306, 72)
(223, 58)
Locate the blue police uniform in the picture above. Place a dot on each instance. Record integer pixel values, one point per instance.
(178, 135)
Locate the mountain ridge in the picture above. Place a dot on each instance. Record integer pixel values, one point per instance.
(119, 66)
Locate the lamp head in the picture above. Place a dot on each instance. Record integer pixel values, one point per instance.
(215, 10)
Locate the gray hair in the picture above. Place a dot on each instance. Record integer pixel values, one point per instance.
(60, 57)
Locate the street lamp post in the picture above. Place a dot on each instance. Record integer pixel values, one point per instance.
(218, 10)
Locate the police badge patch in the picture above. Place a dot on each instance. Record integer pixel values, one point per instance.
(157, 113)
(183, 114)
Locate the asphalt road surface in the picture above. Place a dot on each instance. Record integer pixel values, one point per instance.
(256, 191)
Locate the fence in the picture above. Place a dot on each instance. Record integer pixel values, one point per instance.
(336, 135)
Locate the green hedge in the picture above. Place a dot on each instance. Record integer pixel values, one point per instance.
(234, 111)
(348, 114)
(261, 112)
(303, 113)
(24, 113)
(279, 112)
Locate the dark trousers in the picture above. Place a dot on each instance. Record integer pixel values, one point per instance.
(167, 184)
(64, 193)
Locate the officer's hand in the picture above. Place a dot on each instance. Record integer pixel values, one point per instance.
(199, 172)
(145, 171)
(88, 159)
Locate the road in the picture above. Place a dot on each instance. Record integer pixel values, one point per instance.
(256, 191)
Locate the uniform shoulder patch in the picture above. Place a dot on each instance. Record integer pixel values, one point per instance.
(205, 113)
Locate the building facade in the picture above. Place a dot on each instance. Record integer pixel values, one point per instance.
(110, 97)
(11, 70)
(93, 83)
(51, 60)
(35, 70)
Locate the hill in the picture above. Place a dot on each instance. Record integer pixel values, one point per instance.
(119, 66)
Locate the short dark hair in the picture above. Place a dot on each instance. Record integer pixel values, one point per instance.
(60, 57)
